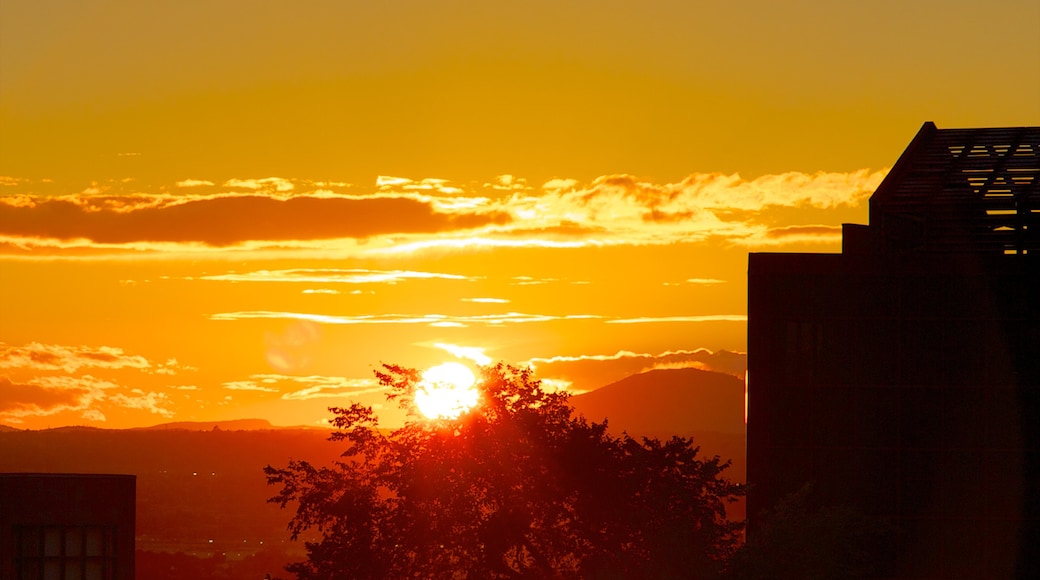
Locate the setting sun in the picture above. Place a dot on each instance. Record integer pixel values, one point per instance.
(446, 391)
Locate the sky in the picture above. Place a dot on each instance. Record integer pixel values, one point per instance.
(239, 209)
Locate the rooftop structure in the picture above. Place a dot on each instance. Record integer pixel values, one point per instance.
(902, 376)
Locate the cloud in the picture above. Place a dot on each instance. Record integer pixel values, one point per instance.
(623, 209)
(51, 357)
(248, 386)
(507, 183)
(640, 211)
(314, 386)
(172, 367)
(226, 220)
(403, 215)
(430, 319)
(27, 398)
(529, 281)
(486, 300)
(94, 415)
(587, 372)
(269, 183)
(696, 281)
(806, 233)
(335, 276)
(702, 318)
(447, 320)
(194, 183)
(430, 184)
(471, 242)
(473, 353)
(151, 402)
(89, 396)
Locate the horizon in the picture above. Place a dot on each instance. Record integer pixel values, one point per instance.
(685, 427)
(225, 213)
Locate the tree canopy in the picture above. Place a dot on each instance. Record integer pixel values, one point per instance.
(518, 487)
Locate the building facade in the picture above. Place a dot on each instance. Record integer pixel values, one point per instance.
(902, 376)
(67, 526)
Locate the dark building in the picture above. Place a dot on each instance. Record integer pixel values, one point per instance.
(67, 526)
(902, 376)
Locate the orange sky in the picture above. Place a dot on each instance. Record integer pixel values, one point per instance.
(217, 210)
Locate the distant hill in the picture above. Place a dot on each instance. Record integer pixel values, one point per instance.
(197, 490)
(704, 405)
(6, 429)
(668, 402)
(232, 425)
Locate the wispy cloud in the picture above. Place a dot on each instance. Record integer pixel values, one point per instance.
(473, 353)
(508, 183)
(248, 386)
(444, 319)
(20, 399)
(302, 388)
(587, 372)
(272, 183)
(804, 233)
(226, 220)
(410, 245)
(335, 276)
(154, 403)
(51, 357)
(430, 319)
(86, 395)
(429, 184)
(194, 183)
(48, 382)
(403, 216)
(622, 207)
(702, 318)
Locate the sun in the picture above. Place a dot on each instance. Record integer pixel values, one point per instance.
(446, 391)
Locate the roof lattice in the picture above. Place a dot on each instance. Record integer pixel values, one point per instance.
(963, 190)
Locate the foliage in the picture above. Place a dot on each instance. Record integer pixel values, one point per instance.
(515, 488)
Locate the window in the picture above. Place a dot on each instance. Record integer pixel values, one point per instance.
(65, 553)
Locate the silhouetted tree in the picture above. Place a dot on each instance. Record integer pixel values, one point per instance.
(516, 488)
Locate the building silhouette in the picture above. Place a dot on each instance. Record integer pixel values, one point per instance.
(902, 376)
(67, 526)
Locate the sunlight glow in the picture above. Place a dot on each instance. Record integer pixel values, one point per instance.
(446, 391)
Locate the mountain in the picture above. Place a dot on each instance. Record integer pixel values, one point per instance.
(6, 429)
(668, 402)
(704, 405)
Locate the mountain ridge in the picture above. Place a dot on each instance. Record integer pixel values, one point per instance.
(668, 402)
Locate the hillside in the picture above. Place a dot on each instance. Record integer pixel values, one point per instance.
(232, 425)
(670, 401)
(201, 489)
(705, 405)
(197, 491)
